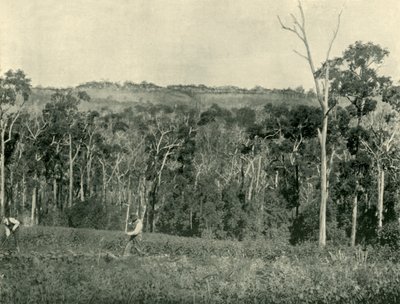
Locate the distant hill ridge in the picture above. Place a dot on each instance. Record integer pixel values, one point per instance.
(201, 88)
(116, 95)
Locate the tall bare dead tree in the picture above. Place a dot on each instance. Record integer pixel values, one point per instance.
(298, 28)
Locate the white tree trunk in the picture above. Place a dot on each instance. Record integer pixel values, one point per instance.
(324, 190)
(34, 202)
(23, 192)
(81, 191)
(2, 177)
(55, 191)
(298, 28)
(89, 176)
(354, 221)
(71, 173)
(104, 194)
(381, 189)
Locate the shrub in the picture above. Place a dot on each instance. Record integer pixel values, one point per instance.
(306, 226)
(87, 214)
(390, 235)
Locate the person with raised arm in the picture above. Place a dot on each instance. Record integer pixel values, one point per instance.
(134, 231)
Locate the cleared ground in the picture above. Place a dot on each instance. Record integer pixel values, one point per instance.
(61, 265)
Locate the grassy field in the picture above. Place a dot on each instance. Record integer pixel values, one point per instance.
(62, 265)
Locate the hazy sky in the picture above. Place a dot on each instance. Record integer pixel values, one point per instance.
(212, 42)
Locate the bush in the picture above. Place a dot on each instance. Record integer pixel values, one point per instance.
(390, 235)
(306, 226)
(87, 214)
(54, 218)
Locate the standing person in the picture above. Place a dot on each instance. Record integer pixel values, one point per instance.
(134, 231)
(12, 227)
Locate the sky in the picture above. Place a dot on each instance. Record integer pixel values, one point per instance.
(211, 42)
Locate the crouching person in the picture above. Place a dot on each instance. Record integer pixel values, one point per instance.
(12, 227)
(134, 231)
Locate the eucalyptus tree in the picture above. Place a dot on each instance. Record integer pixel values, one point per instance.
(322, 90)
(35, 142)
(297, 128)
(15, 89)
(166, 131)
(110, 150)
(383, 139)
(91, 137)
(227, 156)
(355, 77)
(66, 127)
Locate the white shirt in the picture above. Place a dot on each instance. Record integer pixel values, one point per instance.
(138, 228)
(13, 221)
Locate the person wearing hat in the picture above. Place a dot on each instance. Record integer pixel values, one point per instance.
(134, 231)
(11, 224)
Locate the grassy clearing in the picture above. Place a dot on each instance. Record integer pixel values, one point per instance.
(61, 265)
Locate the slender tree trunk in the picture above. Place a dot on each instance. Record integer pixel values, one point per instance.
(16, 201)
(34, 201)
(249, 197)
(152, 216)
(11, 192)
(33, 209)
(81, 191)
(258, 174)
(55, 192)
(127, 217)
(42, 205)
(298, 28)
(130, 194)
(104, 183)
(147, 217)
(71, 173)
(89, 183)
(2, 177)
(143, 190)
(23, 192)
(242, 191)
(324, 192)
(89, 175)
(354, 221)
(381, 189)
(297, 190)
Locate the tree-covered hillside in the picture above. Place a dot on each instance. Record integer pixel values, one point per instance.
(235, 172)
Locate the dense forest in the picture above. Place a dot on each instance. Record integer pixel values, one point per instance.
(210, 171)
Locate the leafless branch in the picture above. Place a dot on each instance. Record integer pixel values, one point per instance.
(335, 32)
(293, 30)
(368, 147)
(76, 153)
(301, 55)
(117, 162)
(11, 126)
